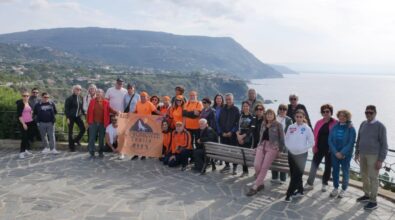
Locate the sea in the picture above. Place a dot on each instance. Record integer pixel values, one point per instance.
(344, 91)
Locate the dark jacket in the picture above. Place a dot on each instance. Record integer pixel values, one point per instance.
(291, 113)
(256, 131)
(209, 115)
(19, 107)
(207, 135)
(229, 119)
(73, 106)
(45, 112)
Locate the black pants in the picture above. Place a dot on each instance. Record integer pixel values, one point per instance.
(35, 132)
(317, 159)
(297, 164)
(27, 136)
(230, 141)
(80, 125)
(108, 148)
(283, 176)
(195, 133)
(181, 158)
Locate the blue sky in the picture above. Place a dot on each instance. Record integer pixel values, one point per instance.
(326, 33)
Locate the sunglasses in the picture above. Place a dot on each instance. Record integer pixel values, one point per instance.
(46, 97)
(326, 111)
(293, 99)
(35, 92)
(204, 102)
(283, 109)
(178, 100)
(259, 109)
(369, 113)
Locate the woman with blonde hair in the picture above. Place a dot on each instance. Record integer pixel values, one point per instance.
(341, 142)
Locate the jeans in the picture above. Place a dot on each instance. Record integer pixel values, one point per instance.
(264, 157)
(369, 175)
(96, 130)
(26, 136)
(80, 125)
(47, 131)
(345, 166)
(297, 165)
(317, 159)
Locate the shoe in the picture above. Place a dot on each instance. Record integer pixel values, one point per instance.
(77, 143)
(252, 192)
(143, 158)
(54, 151)
(370, 206)
(308, 187)
(22, 155)
(288, 199)
(225, 169)
(28, 153)
(276, 181)
(234, 172)
(324, 188)
(101, 156)
(45, 151)
(135, 157)
(121, 157)
(341, 194)
(91, 157)
(363, 199)
(183, 168)
(244, 174)
(213, 168)
(334, 193)
(298, 194)
(72, 149)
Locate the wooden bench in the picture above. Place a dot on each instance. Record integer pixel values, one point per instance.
(240, 155)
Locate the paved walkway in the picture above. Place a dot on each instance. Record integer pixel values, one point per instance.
(69, 186)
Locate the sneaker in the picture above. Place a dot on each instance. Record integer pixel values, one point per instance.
(22, 155)
(143, 158)
(308, 187)
(183, 168)
(101, 156)
(45, 151)
(288, 199)
(252, 192)
(334, 193)
(298, 194)
(77, 143)
(276, 181)
(363, 199)
(54, 151)
(121, 157)
(234, 172)
(28, 153)
(244, 174)
(135, 157)
(341, 194)
(225, 169)
(370, 206)
(324, 188)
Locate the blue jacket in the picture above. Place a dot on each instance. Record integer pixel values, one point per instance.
(346, 145)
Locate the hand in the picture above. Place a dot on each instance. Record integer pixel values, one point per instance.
(68, 121)
(196, 112)
(24, 126)
(86, 125)
(379, 164)
(357, 159)
(339, 156)
(198, 141)
(172, 158)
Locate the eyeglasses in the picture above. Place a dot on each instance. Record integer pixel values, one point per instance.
(325, 112)
(369, 113)
(283, 109)
(259, 109)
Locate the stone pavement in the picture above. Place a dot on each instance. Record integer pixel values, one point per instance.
(69, 186)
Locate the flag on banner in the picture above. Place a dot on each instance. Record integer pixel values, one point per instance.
(140, 134)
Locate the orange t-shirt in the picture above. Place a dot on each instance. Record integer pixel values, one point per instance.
(167, 142)
(192, 123)
(175, 114)
(182, 140)
(145, 108)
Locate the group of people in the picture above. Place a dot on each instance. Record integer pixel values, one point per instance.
(189, 122)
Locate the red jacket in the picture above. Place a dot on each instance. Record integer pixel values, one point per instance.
(106, 108)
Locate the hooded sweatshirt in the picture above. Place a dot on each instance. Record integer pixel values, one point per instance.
(299, 138)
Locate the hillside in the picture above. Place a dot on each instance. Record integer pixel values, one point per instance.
(145, 49)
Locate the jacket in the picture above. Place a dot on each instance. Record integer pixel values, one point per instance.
(299, 138)
(346, 146)
(20, 106)
(207, 135)
(73, 106)
(229, 119)
(106, 108)
(192, 120)
(291, 112)
(179, 141)
(210, 115)
(317, 128)
(276, 135)
(166, 142)
(45, 112)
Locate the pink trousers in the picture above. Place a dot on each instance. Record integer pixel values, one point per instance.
(264, 157)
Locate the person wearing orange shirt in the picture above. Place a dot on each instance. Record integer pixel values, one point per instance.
(144, 107)
(181, 147)
(175, 112)
(166, 131)
(191, 113)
